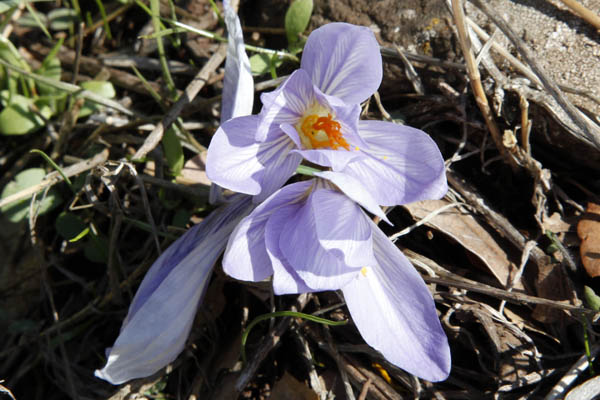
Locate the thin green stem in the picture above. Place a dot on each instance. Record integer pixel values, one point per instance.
(155, 9)
(275, 314)
(305, 170)
(56, 167)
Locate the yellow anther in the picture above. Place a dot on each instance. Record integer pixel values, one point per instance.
(363, 271)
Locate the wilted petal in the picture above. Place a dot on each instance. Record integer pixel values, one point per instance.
(162, 312)
(237, 162)
(355, 190)
(246, 257)
(327, 241)
(286, 104)
(238, 85)
(343, 60)
(395, 313)
(403, 165)
(285, 279)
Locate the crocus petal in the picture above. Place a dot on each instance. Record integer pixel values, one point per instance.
(238, 85)
(286, 104)
(335, 159)
(395, 313)
(285, 279)
(403, 165)
(343, 60)
(327, 241)
(162, 312)
(237, 162)
(355, 190)
(246, 257)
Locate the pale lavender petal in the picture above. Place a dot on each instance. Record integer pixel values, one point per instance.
(246, 257)
(238, 85)
(355, 190)
(162, 312)
(278, 171)
(286, 104)
(403, 165)
(237, 162)
(337, 160)
(327, 241)
(395, 313)
(343, 60)
(285, 279)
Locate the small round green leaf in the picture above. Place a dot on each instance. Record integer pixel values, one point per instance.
(102, 88)
(69, 225)
(297, 18)
(19, 210)
(18, 118)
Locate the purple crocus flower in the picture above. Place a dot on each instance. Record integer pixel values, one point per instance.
(311, 237)
(314, 115)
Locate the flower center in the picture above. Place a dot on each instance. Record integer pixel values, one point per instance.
(319, 131)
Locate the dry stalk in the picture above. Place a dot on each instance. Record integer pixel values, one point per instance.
(186, 98)
(475, 79)
(585, 13)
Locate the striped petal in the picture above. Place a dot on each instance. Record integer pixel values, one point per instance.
(343, 60)
(285, 279)
(246, 257)
(286, 104)
(395, 313)
(162, 312)
(238, 85)
(237, 162)
(327, 241)
(403, 164)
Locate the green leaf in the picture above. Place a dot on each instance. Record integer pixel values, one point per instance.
(261, 63)
(102, 88)
(96, 249)
(173, 150)
(62, 19)
(6, 5)
(19, 210)
(50, 69)
(181, 218)
(591, 298)
(29, 21)
(18, 118)
(297, 18)
(69, 225)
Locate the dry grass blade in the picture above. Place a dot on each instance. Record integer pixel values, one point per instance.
(186, 98)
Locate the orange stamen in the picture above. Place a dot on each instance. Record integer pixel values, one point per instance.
(312, 124)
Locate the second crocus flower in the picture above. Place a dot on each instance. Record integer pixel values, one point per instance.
(311, 237)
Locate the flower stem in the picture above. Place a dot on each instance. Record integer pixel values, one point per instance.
(283, 314)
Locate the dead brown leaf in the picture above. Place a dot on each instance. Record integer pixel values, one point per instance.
(588, 231)
(194, 171)
(466, 230)
(290, 388)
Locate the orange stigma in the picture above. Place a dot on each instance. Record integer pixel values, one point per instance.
(313, 126)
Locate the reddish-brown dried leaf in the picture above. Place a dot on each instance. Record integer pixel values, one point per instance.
(588, 230)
